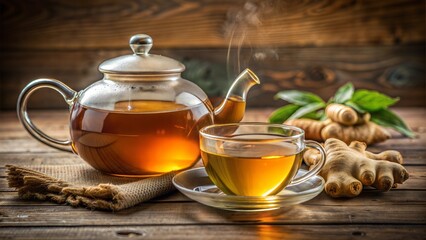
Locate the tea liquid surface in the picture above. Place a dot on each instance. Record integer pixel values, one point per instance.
(252, 169)
(139, 137)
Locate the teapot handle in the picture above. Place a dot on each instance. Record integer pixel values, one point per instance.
(66, 92)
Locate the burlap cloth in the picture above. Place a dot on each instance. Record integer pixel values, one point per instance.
(81, 185)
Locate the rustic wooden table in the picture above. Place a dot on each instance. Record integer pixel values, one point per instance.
(398, 214)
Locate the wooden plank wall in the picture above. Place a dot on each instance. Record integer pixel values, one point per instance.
(307, 45)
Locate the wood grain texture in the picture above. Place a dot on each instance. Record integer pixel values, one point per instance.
(307, 45)
(190, 23)
(395, 70)
(195, 213)
(397, 214)
(231, 232)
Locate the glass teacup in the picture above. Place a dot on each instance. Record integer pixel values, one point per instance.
(255, 159)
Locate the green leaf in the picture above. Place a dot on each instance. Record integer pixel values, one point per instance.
(344, 93)
(298, 97)
(283, 113)
(354, 106)
(371, 101)
(309, 108)
(387, 118)
(314, 115)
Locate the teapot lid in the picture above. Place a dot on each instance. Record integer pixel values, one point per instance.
(141, 62)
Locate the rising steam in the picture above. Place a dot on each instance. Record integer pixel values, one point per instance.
(241, 25)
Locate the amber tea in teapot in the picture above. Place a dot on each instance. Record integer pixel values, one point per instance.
(133, 139)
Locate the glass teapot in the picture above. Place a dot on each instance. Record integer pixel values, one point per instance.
(142, 118)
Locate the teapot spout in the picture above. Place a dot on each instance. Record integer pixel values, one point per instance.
(232, 108)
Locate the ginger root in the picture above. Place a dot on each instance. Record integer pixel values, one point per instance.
(343, 123)
(348, 168)
(311, 127)
(369, 133)
(345, 115)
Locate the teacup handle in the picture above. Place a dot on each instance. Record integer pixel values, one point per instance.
(66, 92)
(317, 167)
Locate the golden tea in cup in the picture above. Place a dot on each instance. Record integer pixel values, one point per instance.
(254, 159)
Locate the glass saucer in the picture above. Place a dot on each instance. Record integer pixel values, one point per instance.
(195, 184)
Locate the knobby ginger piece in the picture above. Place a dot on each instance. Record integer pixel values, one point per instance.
(349, 168)
(345, 115)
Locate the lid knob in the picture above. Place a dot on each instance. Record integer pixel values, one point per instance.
(141, 44)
